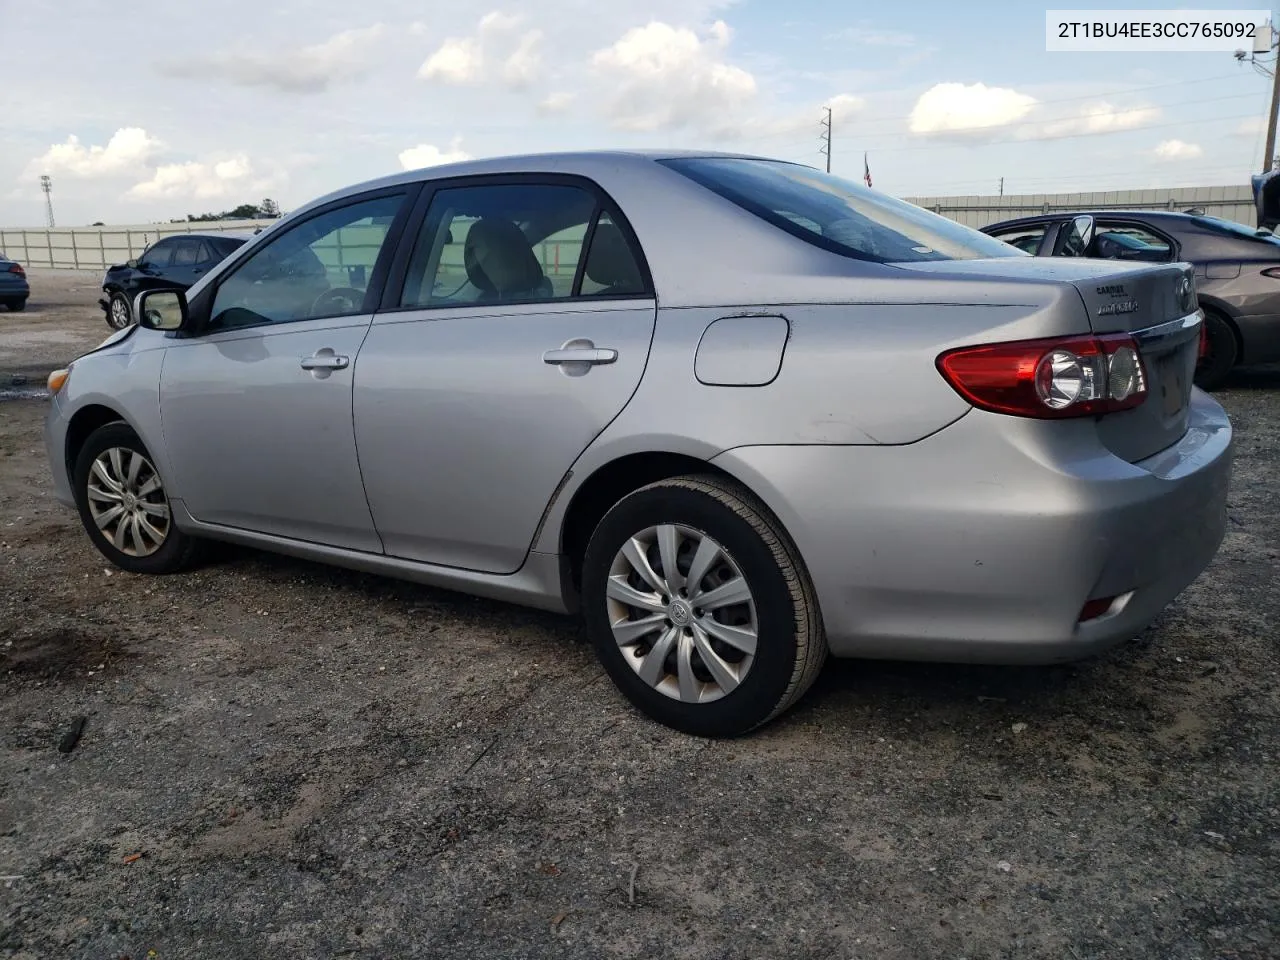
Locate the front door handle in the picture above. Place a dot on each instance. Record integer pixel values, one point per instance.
(325, 360)
(590, 355)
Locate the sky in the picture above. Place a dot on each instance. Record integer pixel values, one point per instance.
(181, 108)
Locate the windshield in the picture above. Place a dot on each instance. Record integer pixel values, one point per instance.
(840, 215)
(1235, 229)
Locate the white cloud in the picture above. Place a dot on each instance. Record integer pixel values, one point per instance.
(668, 77)
(869, 36)
(522, 67)
(556, 102)
(845, 105)
(973, 109)
(1098, 118)
(1177, 150)
(461, 60)
(310, 69)
(429, 155)
(497, 21)
(234, 176)
(458, 60)
(127, 151)
(1251, 127)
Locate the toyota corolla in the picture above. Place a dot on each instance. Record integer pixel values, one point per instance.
(737, 413)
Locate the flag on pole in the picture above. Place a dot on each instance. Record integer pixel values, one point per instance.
(866, 171)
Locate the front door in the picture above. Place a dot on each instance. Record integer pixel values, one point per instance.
(522, 330)
(256, 408)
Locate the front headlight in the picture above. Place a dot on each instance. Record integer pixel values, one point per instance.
(58, 378)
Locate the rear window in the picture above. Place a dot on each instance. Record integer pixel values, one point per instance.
(840, 215)
(1234, 229)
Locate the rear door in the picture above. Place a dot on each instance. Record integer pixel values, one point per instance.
(183, 271)
(520, 329)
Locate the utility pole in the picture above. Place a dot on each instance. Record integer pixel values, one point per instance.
(1270, 155)
(825, 138)
(1002, 186)
(46, 185)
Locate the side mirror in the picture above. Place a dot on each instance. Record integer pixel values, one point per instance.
(1083, 228)
(132, 263)
(161, 310)
(1266, 198)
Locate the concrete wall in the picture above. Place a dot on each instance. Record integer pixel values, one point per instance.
(96, 248)
(1229, 203)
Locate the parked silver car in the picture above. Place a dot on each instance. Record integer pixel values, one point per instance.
(737, 412)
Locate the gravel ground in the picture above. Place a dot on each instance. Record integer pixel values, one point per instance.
(284, 760)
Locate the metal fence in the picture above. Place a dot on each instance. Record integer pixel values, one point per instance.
(96, 248)
(1229, 203)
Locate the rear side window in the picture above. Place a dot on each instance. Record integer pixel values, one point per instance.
(839, 215)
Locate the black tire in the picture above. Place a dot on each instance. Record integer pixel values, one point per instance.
(119, 303)
(176, 552)
(17, 306)
(1214, 367)
(791, 645)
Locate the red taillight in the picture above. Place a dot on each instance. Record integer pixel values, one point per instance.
(17, 268)
(1058, 377)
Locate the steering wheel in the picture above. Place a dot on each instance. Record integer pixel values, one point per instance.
(338, 300)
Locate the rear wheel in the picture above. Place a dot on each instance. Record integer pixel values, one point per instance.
(17, 306)
(699, 607)
(1219, 352)
(119, 314)
(124, 507)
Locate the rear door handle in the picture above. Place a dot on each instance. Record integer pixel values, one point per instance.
(325, 361)
(591, 355)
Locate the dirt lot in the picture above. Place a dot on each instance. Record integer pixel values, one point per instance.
(283, 760)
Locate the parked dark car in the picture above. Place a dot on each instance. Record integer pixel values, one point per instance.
(1237, 271)
(14, 288)
(171, 263)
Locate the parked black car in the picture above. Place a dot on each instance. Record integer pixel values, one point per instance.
(1237, 271)
(171, 263)
(14, 288)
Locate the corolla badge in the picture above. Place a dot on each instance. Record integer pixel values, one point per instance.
(1117, 306)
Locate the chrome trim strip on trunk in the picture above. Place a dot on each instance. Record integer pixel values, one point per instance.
(1169, 333)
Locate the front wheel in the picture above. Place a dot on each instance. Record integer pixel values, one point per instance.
(124, 507)
(119, 313)
(699, 607)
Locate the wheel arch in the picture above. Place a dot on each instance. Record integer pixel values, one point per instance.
(617, 478)
(81, 426)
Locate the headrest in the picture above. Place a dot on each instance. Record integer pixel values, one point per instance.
(610, 262)
(499, 259)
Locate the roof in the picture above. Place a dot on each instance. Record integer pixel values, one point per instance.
(1100, 215)
(550, 162)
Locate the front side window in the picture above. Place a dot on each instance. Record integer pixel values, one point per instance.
(159, 254)
(837, 214)
(318, 268)
(507, 243)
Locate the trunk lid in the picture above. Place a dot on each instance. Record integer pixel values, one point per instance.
(1153, 302)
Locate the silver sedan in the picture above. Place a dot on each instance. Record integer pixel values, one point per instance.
(738, 413)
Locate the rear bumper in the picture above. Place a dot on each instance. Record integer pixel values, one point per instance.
(14, 291)
(983, 542)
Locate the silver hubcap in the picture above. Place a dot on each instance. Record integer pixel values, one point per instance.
(682, 613)
(127, 501)
(119, 312)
